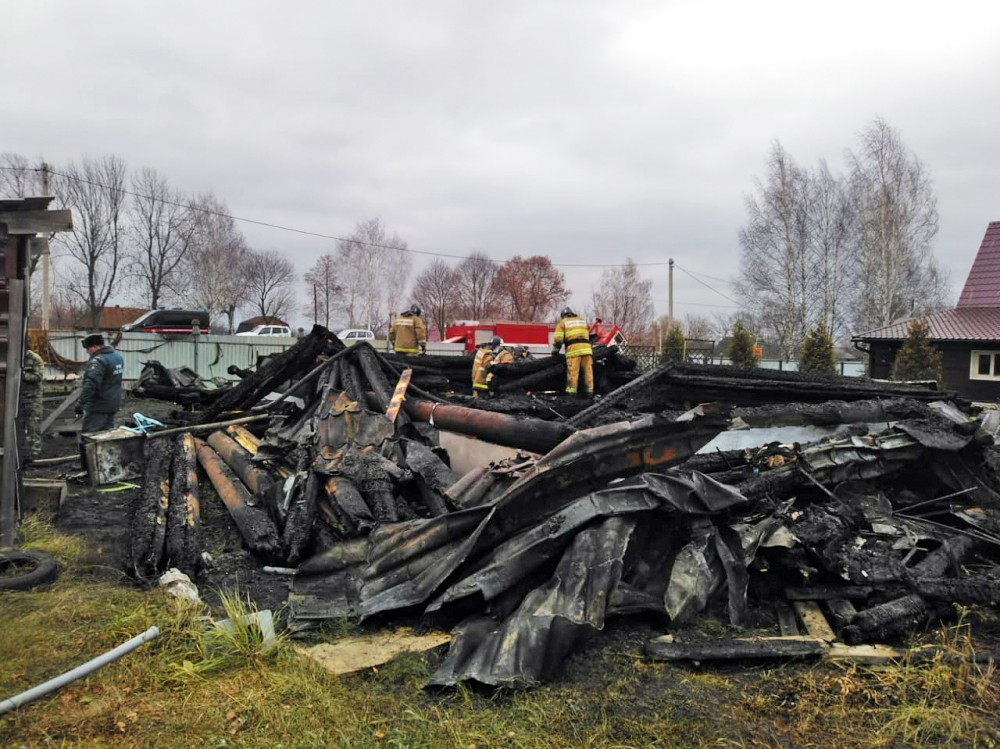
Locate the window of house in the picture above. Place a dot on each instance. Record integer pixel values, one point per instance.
(985, 365)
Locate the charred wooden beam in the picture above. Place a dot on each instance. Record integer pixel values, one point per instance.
(184, 514)
(258, 531)
(299, 358)
(255, 478)
(149, 524)
(738, 649)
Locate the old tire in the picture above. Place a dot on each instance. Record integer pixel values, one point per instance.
(24, 570)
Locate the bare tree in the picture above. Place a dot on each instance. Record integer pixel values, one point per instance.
(163, 228)
(436, 291)
(270, 279)
(475, 285)
(95, 191)
(897, 220)
(624, 298)
(214, 267)
(832, 249)
(530, 289)
(374, 267)
(775, 270)
(19, 178)
(326, 291)
(699, 327)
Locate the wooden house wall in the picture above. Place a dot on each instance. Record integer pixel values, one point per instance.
(955, 362)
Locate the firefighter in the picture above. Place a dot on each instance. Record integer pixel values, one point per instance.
(501, 355)
(409, 334)
(482, 362)
(573, 331)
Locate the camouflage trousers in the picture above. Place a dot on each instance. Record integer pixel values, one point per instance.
(31, 418)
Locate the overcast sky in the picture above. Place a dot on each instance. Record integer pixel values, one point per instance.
(586, 131)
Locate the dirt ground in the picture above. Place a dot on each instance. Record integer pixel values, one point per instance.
(103, 516)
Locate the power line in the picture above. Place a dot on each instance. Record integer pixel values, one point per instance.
(695, 304)
(710, 288)
(307, 232)
(705, 275)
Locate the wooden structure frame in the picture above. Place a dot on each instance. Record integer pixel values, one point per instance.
(20, 221)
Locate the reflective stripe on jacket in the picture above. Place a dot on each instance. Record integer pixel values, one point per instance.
(408, 334)
(575, 333)
(484, 358)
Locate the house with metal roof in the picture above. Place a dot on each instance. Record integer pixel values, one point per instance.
(967, 336)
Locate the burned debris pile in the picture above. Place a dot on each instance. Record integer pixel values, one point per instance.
(863, 508)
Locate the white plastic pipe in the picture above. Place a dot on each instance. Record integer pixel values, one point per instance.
(79, 672)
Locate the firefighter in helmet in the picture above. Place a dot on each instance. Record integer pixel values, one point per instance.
(501, 355)
(484, 358)
(408, 334)
(574, 332)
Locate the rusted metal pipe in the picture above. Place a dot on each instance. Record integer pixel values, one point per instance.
(521, 432)
(259, 533)
(254, 478)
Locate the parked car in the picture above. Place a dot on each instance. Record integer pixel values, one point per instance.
(351, 336)
(169, 321)
(271, 330)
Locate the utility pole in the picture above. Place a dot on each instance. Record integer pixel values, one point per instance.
(670, 292)
(46, 259)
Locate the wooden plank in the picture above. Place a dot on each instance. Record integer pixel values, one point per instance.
(826, 592)
(814, 621)
(786, 619)
(399, 395)
(68, 401)
(737, 649)
(875, 655)
(9, 473)
(842, 611)
(43, 494)
(37, 222)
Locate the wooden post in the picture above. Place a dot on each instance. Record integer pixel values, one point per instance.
(9, 474)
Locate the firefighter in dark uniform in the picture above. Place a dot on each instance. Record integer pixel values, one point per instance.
(101, 393)
(574, 332)
(409, 334)
(32, 375)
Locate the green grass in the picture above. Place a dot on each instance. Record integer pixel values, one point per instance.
(194, 687)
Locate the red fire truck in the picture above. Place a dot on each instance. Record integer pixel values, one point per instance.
(536, 336)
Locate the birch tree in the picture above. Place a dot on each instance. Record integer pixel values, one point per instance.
(215, 265)
(625, 298)
(374, 268)
(774, 264)
(897, 220)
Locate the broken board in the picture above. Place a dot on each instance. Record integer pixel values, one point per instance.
(352, 654)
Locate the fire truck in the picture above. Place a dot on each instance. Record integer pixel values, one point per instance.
(536, 336)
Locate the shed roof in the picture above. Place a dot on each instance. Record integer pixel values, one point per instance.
(959, 324)
(982, 286)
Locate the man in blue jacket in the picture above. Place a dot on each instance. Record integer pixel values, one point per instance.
(101, 393)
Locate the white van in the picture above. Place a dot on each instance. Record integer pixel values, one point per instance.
(350, 336)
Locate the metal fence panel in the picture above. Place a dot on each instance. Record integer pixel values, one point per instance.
(209, 355)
